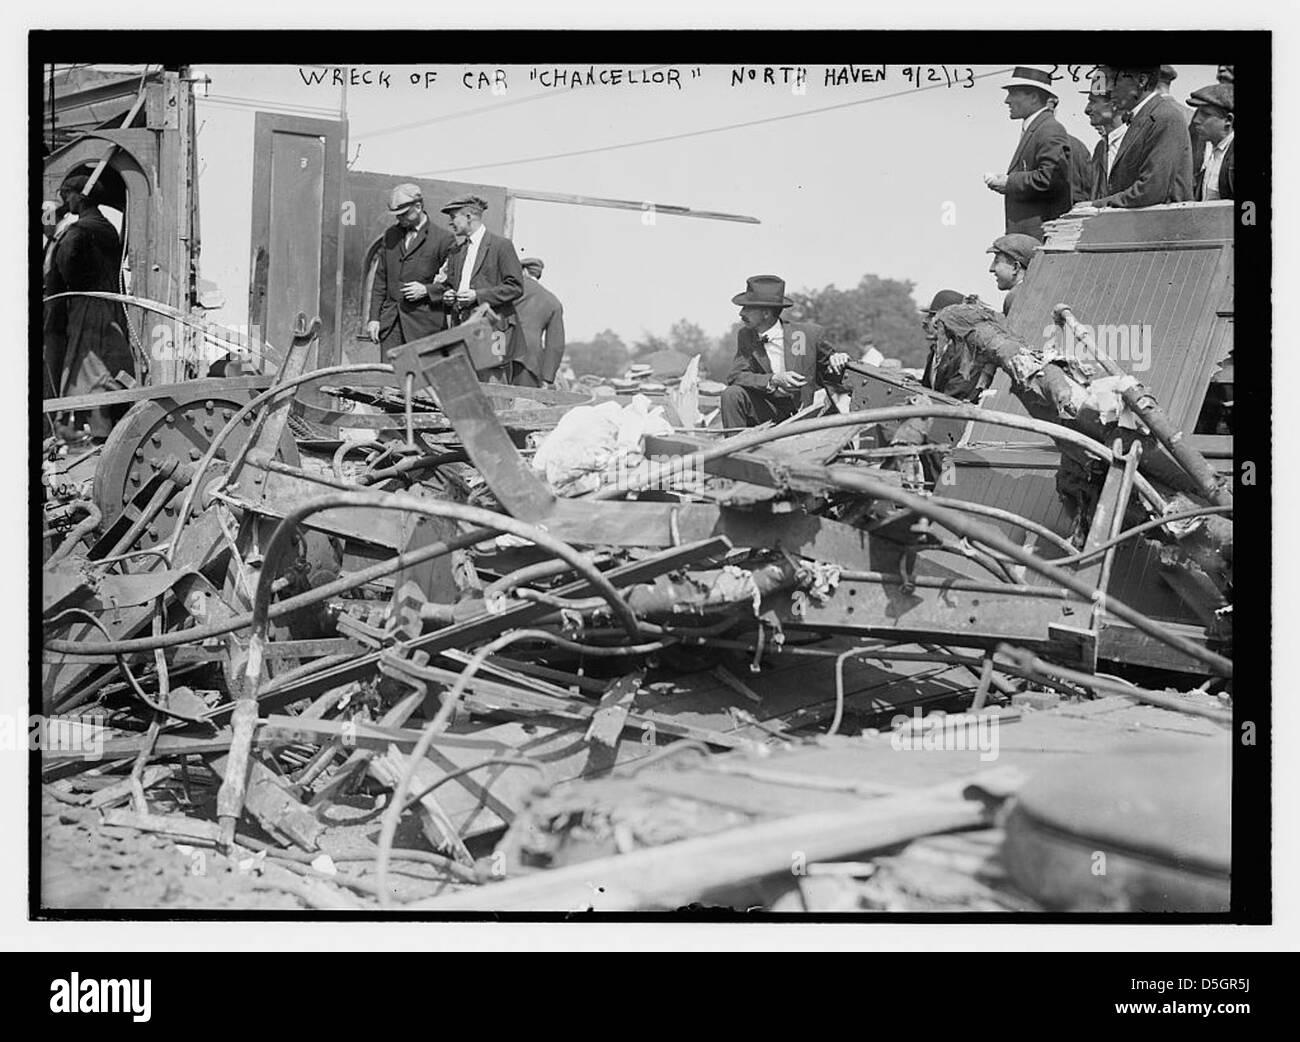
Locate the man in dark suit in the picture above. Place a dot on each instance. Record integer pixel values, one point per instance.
(86, 343)
(541, 322)
(1154, 162)
(404, 305)
(941, 300)
(1214, 123)
(482, 275)
(1037, 181)
(778, 364)
(1080, 164)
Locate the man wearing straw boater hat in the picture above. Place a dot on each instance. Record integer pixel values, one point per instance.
(1037, 182)
(779, 363)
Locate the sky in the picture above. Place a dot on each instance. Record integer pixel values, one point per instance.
(889, 181)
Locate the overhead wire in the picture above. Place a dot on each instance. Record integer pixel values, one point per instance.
(766, 120)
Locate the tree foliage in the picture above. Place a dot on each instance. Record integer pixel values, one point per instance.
(605, 354)
(876, 310)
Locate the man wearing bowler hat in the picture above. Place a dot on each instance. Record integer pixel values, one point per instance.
(404, 303)
(1037, 182)
(779, 363)
(483, 273)
(1214, 123)
(941, 300)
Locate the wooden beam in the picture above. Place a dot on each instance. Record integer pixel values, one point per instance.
(628, 204)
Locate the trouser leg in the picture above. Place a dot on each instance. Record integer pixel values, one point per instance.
(750, 406)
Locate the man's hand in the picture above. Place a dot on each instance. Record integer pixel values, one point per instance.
(787, 382)
(997, 182)
(373, 330)
(449, 297)
(837, 362)
(467, 298)
(414, 291)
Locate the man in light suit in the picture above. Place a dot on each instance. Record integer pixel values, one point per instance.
(1037, 181)
(404, 305)
(1154, 161)
(779, 363)
(483, 273)
(541, 322)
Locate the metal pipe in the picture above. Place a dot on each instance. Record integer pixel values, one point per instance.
(1152, 414)
(650, 474)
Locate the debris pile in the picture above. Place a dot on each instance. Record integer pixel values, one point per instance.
(382, 636)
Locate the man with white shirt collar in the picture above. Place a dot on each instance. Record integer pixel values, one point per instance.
(1214, 122)
(778, 363)
(483, 273)
(1037, 182)
(1106, 121)
(1154, 162)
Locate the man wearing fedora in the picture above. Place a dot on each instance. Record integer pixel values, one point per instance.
(779, 363)
(1153, 164)
(541, 323)
(483, 273)
(1214, 123)
(1037, 182)
(404, 304)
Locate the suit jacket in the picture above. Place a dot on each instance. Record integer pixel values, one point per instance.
(1080, 171)
(498, 280)
(807, 352)
(1225, 175)
(541, 325)
(1038, 177)
(1098, 188)
(398, 266)
(1154, 164)
(85, 338)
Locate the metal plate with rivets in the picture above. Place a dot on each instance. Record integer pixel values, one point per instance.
(180, 427)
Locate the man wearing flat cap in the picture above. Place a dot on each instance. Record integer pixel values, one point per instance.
(779, 363)
(1154, 162)
(86, 344)
(541, 323)
(404, 303)
(1011, 257)
(1213, 121)
(941, 300)
(483, 272)
(1037, 182)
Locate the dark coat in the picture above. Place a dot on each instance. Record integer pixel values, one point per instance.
(1225, 175)
(86, 339)
(398, 266)
(807, 352)
(1038, 177)
(1081, 174)
(1154, 164)
(498, 280)
(541, 324)
(1099, 170)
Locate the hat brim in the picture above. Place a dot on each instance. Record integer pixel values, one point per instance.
(1030, 83)
(743, 299)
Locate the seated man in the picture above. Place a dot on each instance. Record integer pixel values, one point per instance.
(778, 363)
